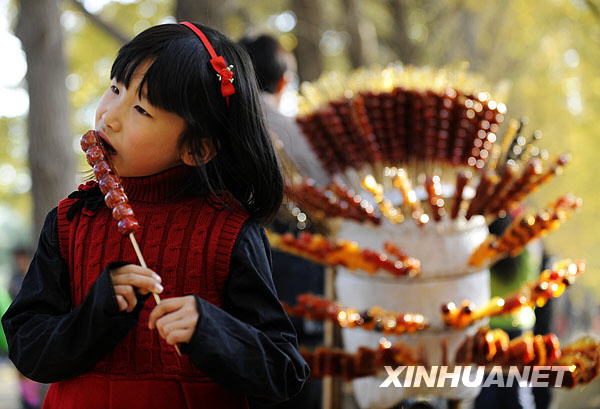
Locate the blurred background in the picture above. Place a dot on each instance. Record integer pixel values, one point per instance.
(544, 52)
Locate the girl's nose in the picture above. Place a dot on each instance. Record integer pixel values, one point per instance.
(112, 117)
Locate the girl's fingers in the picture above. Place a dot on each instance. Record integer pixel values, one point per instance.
(122, 303)
(165, 307)
(179, 311)
(127, 293)
(160, 322)
(179, 336)
(171, 322)
(135, 269)
(143, 278)
(142, 282)
(181, 325)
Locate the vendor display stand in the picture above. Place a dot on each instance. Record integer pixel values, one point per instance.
(420, 165)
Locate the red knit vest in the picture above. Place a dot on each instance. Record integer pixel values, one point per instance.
(188, 241)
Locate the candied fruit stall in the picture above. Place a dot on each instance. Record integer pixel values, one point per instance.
(421, 162)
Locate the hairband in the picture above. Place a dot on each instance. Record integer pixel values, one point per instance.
(224, 71)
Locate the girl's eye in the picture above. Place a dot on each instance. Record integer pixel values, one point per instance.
(114, 89)
(142, 111)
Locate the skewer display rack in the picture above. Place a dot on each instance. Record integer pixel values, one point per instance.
(421, 161)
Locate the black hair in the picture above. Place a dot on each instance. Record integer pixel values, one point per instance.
(269, 59)
(181, 80)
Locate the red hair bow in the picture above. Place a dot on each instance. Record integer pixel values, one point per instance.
(224, 71)
(225, 75)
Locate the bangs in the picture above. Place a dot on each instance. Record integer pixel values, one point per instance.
(174, 63)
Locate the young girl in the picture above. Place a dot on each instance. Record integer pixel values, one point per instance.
(181, 122)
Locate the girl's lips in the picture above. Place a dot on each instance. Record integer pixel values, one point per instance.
(107, 146)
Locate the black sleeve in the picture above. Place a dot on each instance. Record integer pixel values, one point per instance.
(48, 339)
(249, 346)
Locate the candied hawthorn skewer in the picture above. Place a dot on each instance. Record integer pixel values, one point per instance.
(462, 179)
(486, 183)
(374, 319)
(525, 229)
(550, 284)
(343, 253)
(583, 359)
(501, 188)
(110, 185)
(325, 361)
(356, 202)
(307, 194)
(392, 249)
(386, 207)
(115, 197)
(520, 187)
(491, 346)
(433, 187)
(516, 197)
(486, 347)
(402, 182)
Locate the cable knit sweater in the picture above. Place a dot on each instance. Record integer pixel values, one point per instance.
(243, 345)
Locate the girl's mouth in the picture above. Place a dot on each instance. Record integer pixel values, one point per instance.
(107, 146)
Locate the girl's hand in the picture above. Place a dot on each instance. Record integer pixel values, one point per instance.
(175, 318)
(131, 278)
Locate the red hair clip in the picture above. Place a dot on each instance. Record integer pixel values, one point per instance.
(224, 71)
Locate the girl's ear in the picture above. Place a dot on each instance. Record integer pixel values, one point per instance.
(188, 157)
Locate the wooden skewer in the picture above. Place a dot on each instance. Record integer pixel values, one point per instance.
(142, 261)
(131, 235)
(143, 264)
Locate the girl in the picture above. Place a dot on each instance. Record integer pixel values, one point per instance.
(181, 122)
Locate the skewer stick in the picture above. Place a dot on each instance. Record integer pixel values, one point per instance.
(99, 143)
(138, 252)
(142, 261)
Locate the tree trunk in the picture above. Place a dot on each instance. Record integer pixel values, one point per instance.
(404, 47)
(460, 27)
(209, 12)
(308, 30)
(51, 157)
(363, 45)
(469, 47)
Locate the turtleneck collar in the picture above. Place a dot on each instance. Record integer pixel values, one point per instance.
(161, 187)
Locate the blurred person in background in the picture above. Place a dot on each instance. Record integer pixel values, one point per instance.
(543, 325)
(21, 259)
(5, 300)
(31, 392)
(275, 69)
(507, 276)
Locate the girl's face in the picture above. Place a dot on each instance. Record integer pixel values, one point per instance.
(143, 136)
